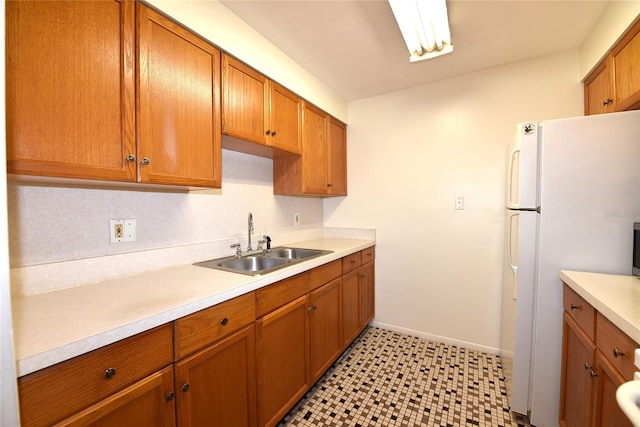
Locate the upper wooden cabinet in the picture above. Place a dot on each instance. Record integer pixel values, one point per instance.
(614, 85)
(70, 89)
(178, 101)
(321, 170)
(598, 98)
(77, 85)
(258, 110)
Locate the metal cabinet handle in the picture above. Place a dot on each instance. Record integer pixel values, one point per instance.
(169, 397)
(110, 373)
(607, 102)
(268, 132)
(224, 321)
(185, 387)
(131, 158)
(617, 353)
(587, 366)
(574, 307)
(146, 161)
(593, 373)
(329, 185)
(313, 307)
(273, 133)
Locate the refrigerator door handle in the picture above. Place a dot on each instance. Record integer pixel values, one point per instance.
(510, 184)
(514, 267)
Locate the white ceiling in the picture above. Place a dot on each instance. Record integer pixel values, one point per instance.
(355, 46)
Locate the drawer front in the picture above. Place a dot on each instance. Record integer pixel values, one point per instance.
(324, 274)
(200, 329)
(280, 293)
(54, 393)
(580, 311)
(351, 262)
(368, 254)
(616, 346)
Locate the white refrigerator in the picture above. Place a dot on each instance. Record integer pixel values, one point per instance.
(573, 193)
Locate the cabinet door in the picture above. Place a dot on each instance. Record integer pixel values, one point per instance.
(337, 167)
(350, 306)
(216, 386)
(624, 59)
(314, 150)
(367, 294)
(608, 413)
(282, 342)
(597, 91)
(245, 102)
(178, 103)
(578, 376)
(325, 325)
(286, 119)
(147, 403)
(70, 89)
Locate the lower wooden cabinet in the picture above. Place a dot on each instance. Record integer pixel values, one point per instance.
(147, 403)
(216, 367)
(367, 294)
(592, 369)
(350, 307)
(216, 386)
(53, 394)
(282, 343)
(578, 376)
(325, 321)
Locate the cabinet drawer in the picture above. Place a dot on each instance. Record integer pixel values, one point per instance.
(280, 293)
(616, 346)
(54, 393)
(351, 262)
(368, 254)
(200, 329)
(580, 310)
(324, 274)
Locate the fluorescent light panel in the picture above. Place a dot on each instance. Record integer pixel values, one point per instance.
(424, 26)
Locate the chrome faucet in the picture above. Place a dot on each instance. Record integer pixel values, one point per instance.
(250, 227)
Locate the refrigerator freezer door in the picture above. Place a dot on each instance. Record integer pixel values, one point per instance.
(522, 168)
(517, 305)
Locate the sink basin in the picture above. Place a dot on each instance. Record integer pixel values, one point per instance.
(295, 253)
(263, 263)
(252, 265)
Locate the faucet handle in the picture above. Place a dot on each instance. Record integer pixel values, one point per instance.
(267, 239)
(236, 246)
(260, 243)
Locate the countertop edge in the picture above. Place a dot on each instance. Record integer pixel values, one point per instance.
(601, 300)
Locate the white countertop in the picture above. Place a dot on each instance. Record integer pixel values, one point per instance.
(52, 327)
(616, 297)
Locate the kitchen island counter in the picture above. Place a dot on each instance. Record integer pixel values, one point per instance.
(56, 326)
(617, 297)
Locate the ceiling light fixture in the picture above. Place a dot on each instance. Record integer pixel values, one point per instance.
(424, 26)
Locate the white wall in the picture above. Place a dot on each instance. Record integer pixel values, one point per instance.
(53, 224)
(438, 270)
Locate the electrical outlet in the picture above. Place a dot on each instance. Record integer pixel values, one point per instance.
(296, 218)
(116, 230)
(459, 203)
(122, 230)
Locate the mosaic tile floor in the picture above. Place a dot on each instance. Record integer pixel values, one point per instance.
(392, 379)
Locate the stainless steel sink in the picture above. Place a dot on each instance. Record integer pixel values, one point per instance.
(295, 253)
(263, 263)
